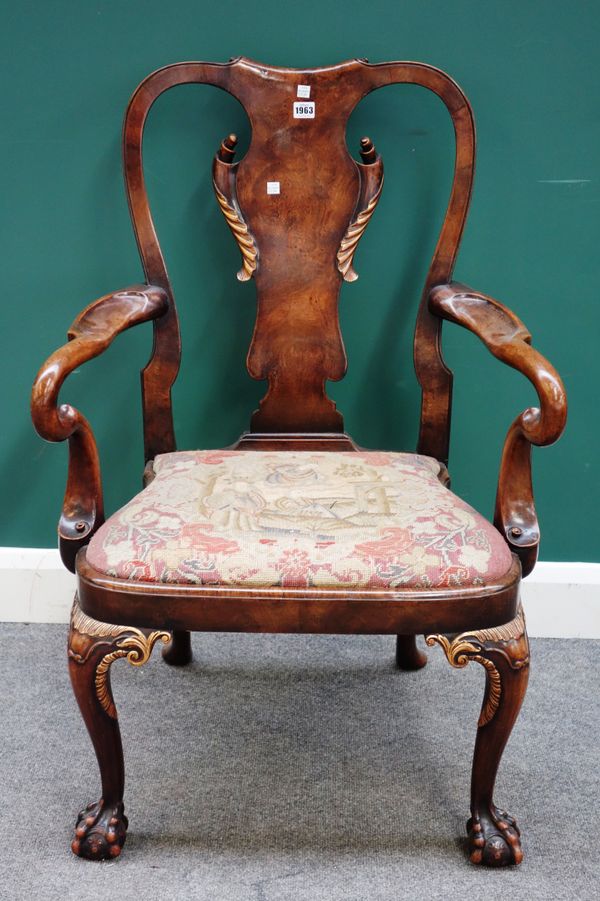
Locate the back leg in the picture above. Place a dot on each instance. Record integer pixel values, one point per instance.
(408, 655)
(179, 650)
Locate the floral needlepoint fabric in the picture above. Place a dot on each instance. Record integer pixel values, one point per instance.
(300, 519)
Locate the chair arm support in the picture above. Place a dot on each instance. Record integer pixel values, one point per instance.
(91, 333)
(508, 340)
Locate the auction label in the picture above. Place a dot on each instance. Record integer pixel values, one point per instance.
(304, 109)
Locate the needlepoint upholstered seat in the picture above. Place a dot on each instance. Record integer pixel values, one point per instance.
(300, 520)
(294, 528)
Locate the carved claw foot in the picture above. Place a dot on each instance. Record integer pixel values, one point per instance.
(494, 839)
(100, 831)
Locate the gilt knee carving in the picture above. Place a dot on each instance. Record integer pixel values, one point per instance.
(87, 635)
(468, 646)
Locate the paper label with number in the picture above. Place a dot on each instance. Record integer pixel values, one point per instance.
(304, 109)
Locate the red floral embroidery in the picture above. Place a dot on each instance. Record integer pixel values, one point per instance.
(387, 548)
(197, 537)
(137, 569)
(295, 568)
(213, 458)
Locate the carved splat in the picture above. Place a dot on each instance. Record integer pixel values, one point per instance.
(297, 205)
(295, 191)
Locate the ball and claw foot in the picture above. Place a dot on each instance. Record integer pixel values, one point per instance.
(100, 831)
(494, 839)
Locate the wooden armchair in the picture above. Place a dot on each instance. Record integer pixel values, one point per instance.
(294, 528)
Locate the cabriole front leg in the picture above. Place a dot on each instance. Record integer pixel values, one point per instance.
(93, 647)
(494, 839)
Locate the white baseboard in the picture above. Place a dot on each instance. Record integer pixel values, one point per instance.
(561, 600)
(35, 587)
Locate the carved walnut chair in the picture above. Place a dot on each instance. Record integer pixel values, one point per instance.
(295, 528)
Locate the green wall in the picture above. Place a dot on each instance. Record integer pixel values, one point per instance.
(531, 72)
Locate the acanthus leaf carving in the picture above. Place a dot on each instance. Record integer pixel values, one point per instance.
(131, 643)
(241, 233)
(354, 232)
(371, 185)
(224, 184)
(476, 645)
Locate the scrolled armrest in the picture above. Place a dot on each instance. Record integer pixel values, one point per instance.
(91, 333)
(509, 340)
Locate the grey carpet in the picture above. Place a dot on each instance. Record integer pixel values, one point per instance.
(296, 767)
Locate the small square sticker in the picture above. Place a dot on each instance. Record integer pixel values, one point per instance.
(303, 91)
(273, 187)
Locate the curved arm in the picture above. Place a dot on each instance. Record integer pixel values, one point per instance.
(508, 339)
(91, 333)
